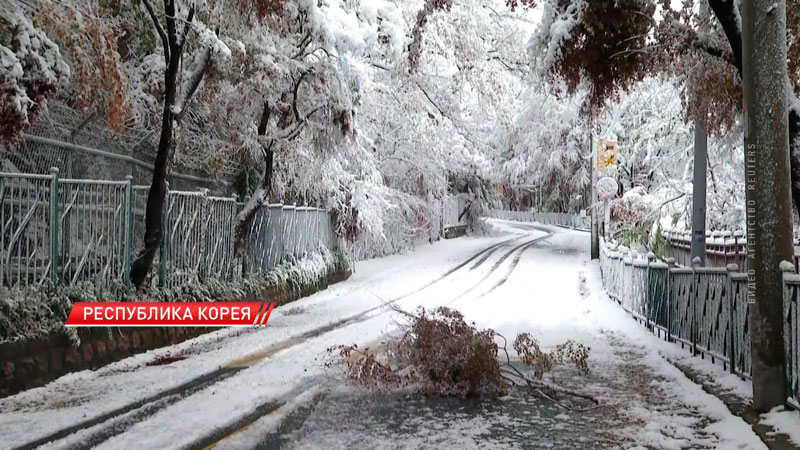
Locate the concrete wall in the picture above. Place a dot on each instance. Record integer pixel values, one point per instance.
(25, 364)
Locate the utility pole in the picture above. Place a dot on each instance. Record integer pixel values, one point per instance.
(699, 182)
(595, 245)
(769, 217)
(699, 193)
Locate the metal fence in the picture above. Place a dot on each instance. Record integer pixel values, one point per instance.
(28, 231)
(791, 284)
(453, 206)
(58, 232)
(576, 221)
(705, 309)
(278, 230)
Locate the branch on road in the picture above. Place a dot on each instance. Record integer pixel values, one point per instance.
(440, 354)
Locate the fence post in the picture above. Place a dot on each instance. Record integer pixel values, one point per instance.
(128, 231)
(788, 268)
(670, 266)
(203, 263)
(732, 268)
(162, 279)
(246, 253)
(796, 243)
(55, 223)
(695, 299)
(727, 240)
(648, 298)
(737, 235)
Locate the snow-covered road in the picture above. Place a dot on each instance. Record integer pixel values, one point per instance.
(269, 385)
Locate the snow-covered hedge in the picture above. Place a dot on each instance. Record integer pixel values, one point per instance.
(34, 312)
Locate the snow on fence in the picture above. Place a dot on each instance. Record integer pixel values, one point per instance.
(453, 206)
(278, 230)
(91, 230)
(704, 309)
(569, 220)
(26, 235)
(58, 232)
(722, 248)
(199, 237)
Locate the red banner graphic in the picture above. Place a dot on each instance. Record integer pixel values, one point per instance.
(162, 314)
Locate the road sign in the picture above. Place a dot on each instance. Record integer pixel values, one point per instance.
(606, 154)
(606, 188)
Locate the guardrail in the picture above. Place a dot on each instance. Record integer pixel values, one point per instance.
(567, 220)
(59, 232)
(704, 309)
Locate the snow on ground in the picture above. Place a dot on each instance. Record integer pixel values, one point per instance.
(784, 422)
(556, 294)
(534, 281)
(83, 395)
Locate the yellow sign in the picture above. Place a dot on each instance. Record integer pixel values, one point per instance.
(606, 154)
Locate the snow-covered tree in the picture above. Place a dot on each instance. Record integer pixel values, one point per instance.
(32, 69)
(547, 149)
(607, 46)
(656, 155)
(183, 72)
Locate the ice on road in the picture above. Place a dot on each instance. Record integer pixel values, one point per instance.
(526, 278)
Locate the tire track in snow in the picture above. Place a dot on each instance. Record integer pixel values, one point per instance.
(487, 255)
(209, 441)
(512, 267)
(152, 403)
(519, 250)
(119, 420)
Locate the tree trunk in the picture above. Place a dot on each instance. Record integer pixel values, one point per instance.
(728, 18)
(245, 218)
(158, 188)
(768, 189)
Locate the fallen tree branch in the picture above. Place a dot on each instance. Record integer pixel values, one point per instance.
(443, 355)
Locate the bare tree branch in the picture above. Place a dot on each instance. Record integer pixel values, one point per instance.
(728, 17)
(194, 82)
(159, 30)
(294, 94)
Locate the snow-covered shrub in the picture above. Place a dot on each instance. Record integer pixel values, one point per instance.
(632, 217)
(33, 312)
(377, 221)
(437, 353)
(297, 274)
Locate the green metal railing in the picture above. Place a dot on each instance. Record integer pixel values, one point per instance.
(704, 309)
(57, 232)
